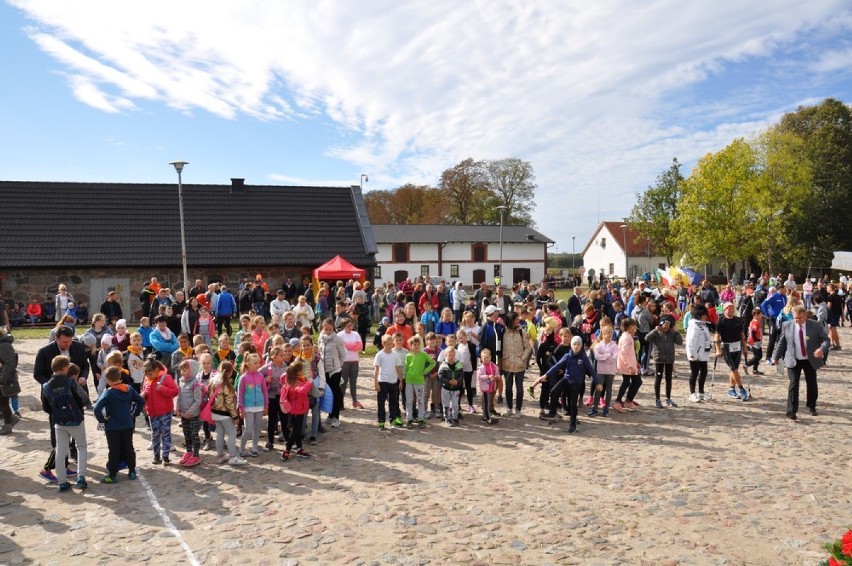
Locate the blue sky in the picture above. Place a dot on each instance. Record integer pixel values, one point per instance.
(597, 96)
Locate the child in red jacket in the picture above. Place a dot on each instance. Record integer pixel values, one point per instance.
(159, 391)
(295, 404)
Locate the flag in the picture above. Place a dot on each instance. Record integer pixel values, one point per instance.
(694, 278)
(665, 277)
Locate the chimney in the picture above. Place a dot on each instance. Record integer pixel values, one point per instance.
(238, 185)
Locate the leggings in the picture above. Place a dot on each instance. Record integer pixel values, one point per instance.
(468, 387)
(514, 380)
(544, 396)
(293, 431)
(274, 417)
(254, 422)
(697, 372)
(190, 434)
(486, 405)
(350, 378)
(663, 370)
(756, 356)
(161, 434)
(225, 425)
(630, 384)
(606, 381)
(333, 382)
(573, 391)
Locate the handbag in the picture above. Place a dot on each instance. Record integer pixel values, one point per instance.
(206, 412)
(315, 389)
(10, 389)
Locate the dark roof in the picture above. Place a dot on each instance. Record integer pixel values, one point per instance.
(124, 224)
(636, 244)
(439, 233)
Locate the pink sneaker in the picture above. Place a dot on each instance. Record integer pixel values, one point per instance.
(192, 461)
(634, 404)
(589, 401)
(471, 409)
(184, 458)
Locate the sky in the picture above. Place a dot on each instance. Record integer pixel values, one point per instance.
(597, 96)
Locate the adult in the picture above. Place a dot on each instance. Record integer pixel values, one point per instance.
(180, 304)
(834, 302)
(189, 318)
(353, 343)
(111, 308)
(772, 306)
(341, 315)
(804, 344)
(790, 283)
(63, 345)
(332, 353)
(808, 293)
(279, 305)
(258, 295)
(289, 289)
(575, 309)
(730, 340)
(513, 362)
(303, 312)
(708, 293)
(502, 301)
(9, 386)
(61, 300)
(226, 308)
(244, 298)
(478, 295)
(198, 289)
(459, 301)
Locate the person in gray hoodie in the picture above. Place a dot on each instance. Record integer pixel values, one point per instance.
(661, 349)
(332, 352)
(645, 323)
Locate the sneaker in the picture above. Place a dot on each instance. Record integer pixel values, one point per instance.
(285, 455)
(619, 406)
(302, 454)
(192, 461)
(253, 453)
(693, 397)
(634, 404)
(518, 413)
(572, 429)
(702, 397)
(157, 460)
(495, 413)
(70, 473)
(531, 391)
(733, 393)
(224, 459)
(110, 479)
(313, 440)
(322, 430)
(421, 422)
(397, 422)
(592, 412)
(471, 409)
(18, 414)
(409, 424)
(743, 394)
(166, 461)
(509, 412)
(131, 475)
(757, 372)
(605, 412)
(185, 457)
(268, 446)
(237, 461)
(64, 487)
(658, 404)
(382, 425)
(431, 415)
(483, 419)
(335, 423)
(357, 405)
(82, 483)
(670, 403)
(589, 401)
(47, 475)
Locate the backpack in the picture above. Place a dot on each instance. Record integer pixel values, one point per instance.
(205, 392)
(64, 408)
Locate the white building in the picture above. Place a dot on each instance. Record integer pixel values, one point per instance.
(605, 253)
(470, 254)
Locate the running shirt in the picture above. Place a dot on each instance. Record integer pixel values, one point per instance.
(730, 329)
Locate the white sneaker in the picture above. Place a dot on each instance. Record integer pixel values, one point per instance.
(508, 412)
(237, 461)
(694, 397)
(335, 423)
(223, 459)
(517, 414)
(701, 397)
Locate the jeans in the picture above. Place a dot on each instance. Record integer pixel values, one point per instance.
(630, 384)
(413, 391)
(486, 405)
(643, 350)
(64, 434)
(350, 379)
(225, 425)
(161, 432)
(254, 421)
(697, 372)
(516, 379)
(258, 308)
(450, 400)
(388, 392)
(316, 420)
(120, 444)
(663, 370)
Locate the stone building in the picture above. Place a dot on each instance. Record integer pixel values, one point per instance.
(98, 237)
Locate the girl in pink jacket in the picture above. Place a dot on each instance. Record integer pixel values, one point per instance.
(628, 366)
(606, 356)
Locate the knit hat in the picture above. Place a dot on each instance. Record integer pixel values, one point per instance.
(106, 339)
(122, 323)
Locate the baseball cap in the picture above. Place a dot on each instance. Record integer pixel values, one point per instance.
(665, 319)
(490, 309)
(727, 304)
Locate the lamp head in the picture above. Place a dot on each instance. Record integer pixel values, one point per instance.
(178, 165)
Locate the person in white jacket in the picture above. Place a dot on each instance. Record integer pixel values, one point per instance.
(459, 301)
(698, 345)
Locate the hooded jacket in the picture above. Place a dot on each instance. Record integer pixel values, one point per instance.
(698, 341)
(662, 345)
(573, 367)
(159, 401)
(118, 407)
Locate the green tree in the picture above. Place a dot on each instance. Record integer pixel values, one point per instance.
(655, 210)
(408, 204)
(511, 183)
(466, 190)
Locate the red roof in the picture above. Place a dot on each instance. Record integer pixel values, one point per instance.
(634, 248)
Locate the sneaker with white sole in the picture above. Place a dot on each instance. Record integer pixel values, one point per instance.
(509, 412)
(694, 398)
(702, 397)
(670, 403)
(335, 423)
(237, 461)
(223, 459)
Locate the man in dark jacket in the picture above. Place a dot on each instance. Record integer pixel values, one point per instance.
(111, 308)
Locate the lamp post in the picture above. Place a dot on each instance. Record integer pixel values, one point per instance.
(179, 168)
(573, 255)
(626, 260)
(501, 209)
(364, 179)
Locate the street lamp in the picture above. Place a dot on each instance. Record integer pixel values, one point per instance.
(501, 209)
(179, 168)
(624, 233)
(573, 255)
(364, 179)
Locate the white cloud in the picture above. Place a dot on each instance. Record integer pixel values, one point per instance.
(576, 88)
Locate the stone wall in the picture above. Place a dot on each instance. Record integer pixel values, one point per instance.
(24, 285)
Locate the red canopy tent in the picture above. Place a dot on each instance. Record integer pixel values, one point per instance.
(337, 268)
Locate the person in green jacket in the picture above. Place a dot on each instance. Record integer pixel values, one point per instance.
(417, 365)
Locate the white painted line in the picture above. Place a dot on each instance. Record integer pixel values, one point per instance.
(169, 525)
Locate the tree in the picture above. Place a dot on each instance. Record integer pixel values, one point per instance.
(655, 210)
(466, 190)
(511, 182)
(408, 204)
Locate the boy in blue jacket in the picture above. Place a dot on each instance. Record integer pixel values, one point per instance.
(118, 408)
(569, 374)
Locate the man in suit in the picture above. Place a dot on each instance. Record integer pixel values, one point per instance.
(804, 345)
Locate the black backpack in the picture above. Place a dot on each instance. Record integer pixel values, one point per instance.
(64, 408)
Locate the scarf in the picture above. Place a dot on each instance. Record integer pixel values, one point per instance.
(223, 354)
(136, 350)
(186, 352)
(166, 334)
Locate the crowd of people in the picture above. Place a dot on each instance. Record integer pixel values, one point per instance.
(443, 353)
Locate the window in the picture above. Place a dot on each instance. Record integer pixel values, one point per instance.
(661, 265)
(377, 272)
(603, 242)
(478, 276)
(400, 253)
(611, 268)
(424, 271)
(479, 252)
(454, 270)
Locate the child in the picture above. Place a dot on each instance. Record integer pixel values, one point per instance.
(159, 391)
(106, 348)
(189, 399)
(145, 330)
(252, 401)
(429, 317)
(134, 359)
(118, 408)
(294, 405)
(569, 374)
(387, 373)
(274, 372)
(64, 398)
(205, 374)
(487, 378)
(628, 366)
(245, 328)
(274, 329)
(225, 413)
(417, 365)
(447, 325)
(224, 351)
(206, 325)
(606, 355)
(172, 321)
(184, 352)
(464, 356)
(661, 344)
(401, 351)
(258, 334)
(433, 386)
(381, 330)
(315, 372)
(115, 359)
(698, 345)
(755, 343)
(290, 330)
(121, 340)
(451, 377)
